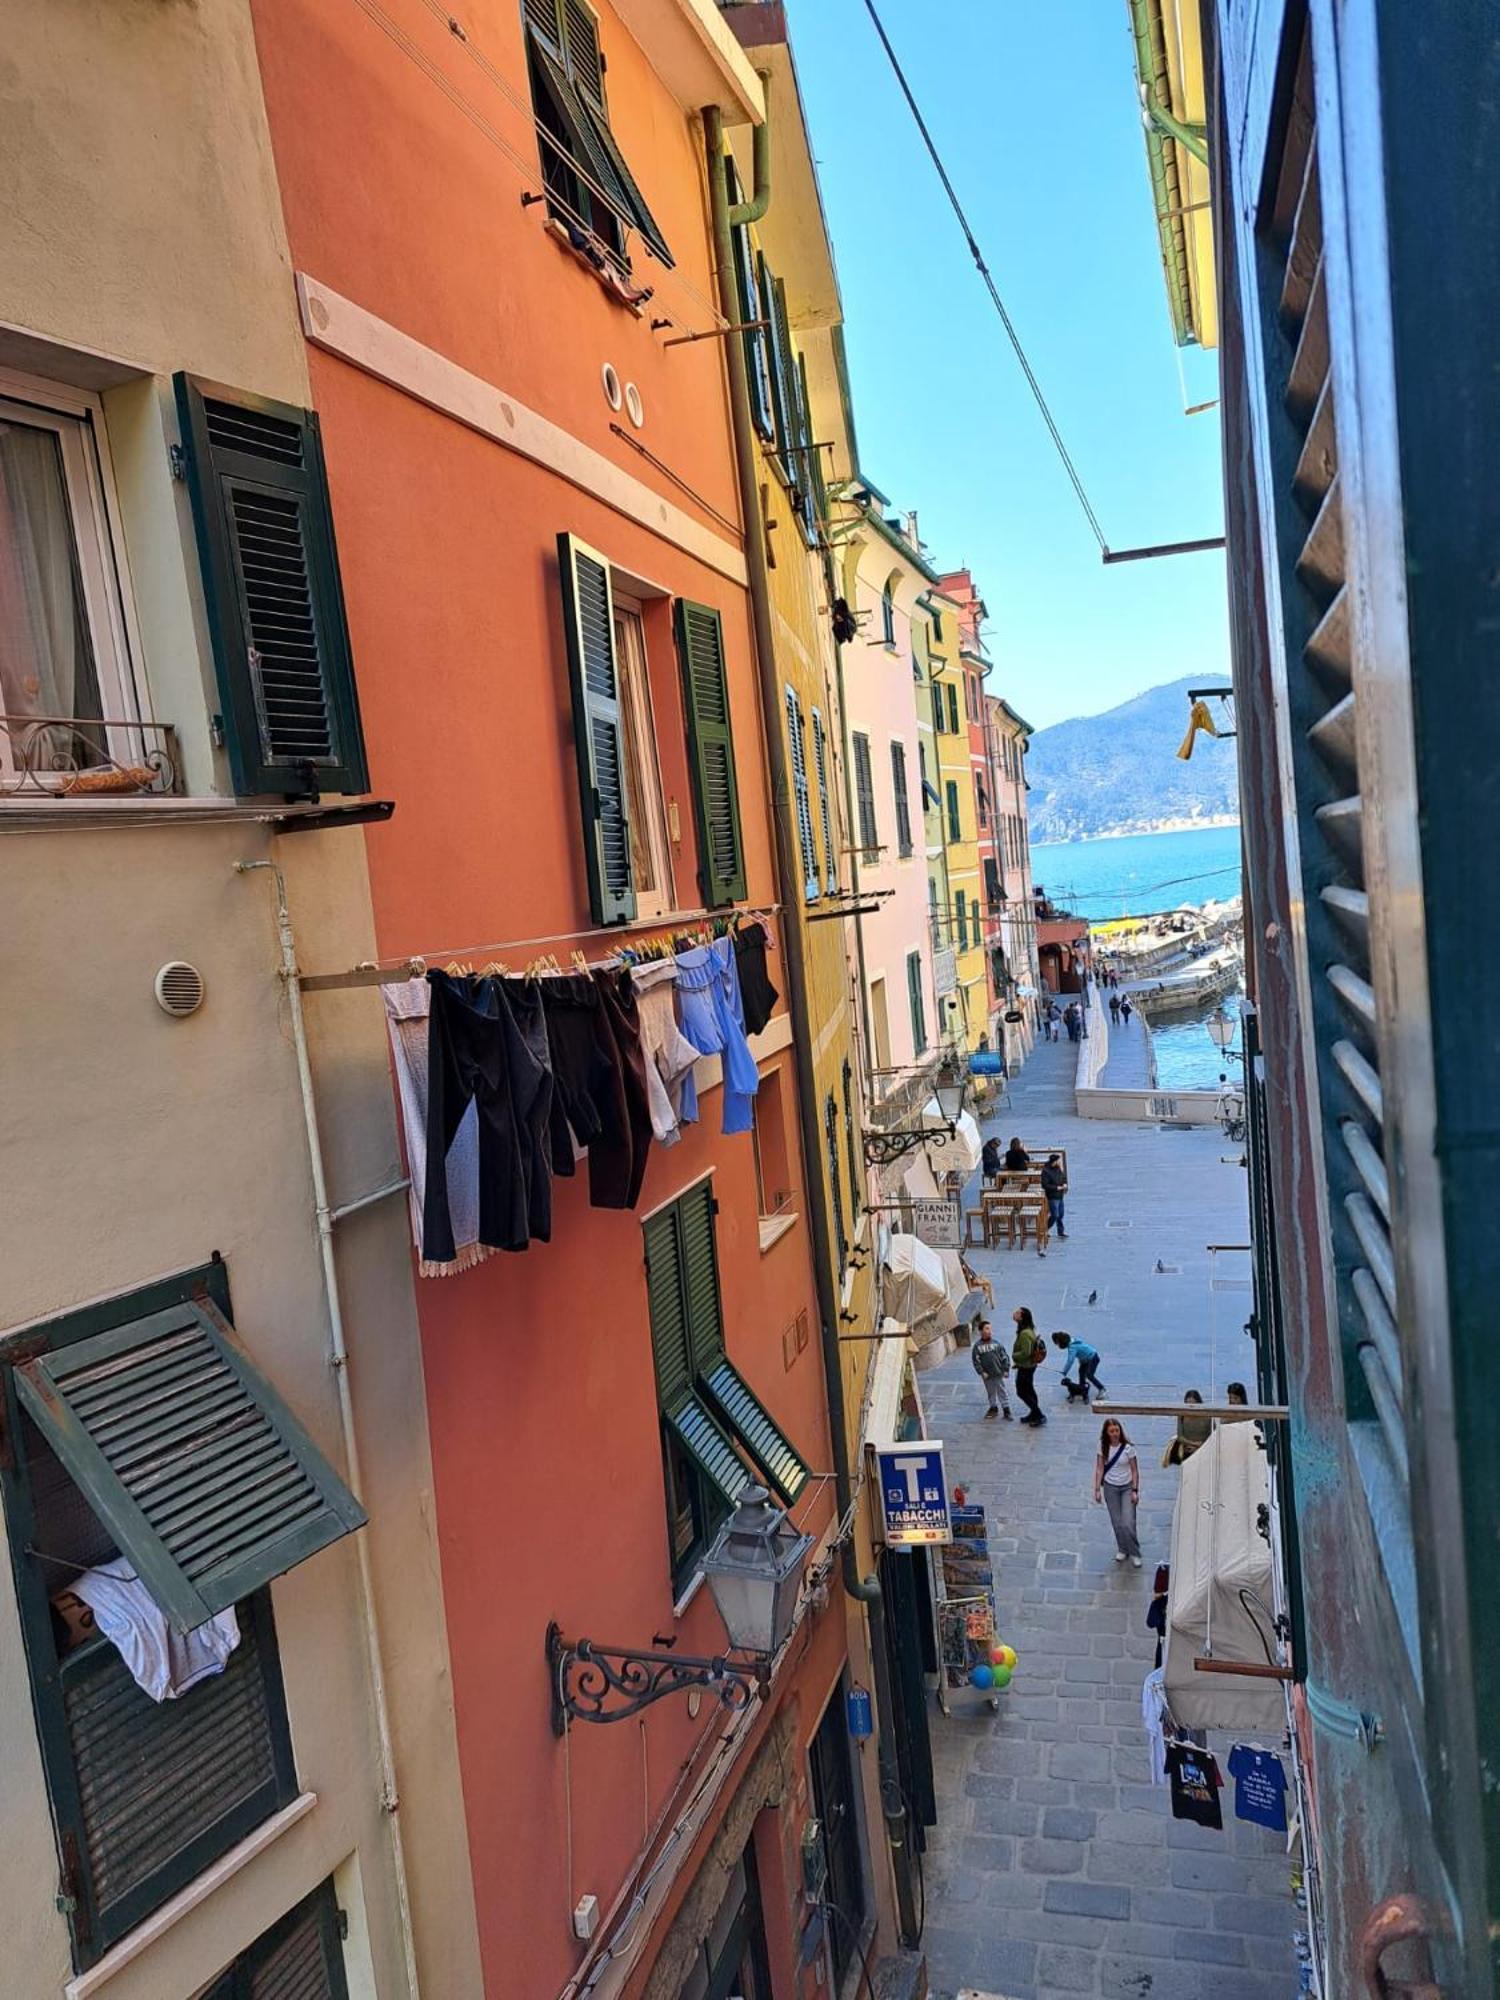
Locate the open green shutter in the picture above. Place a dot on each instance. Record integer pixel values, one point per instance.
(581, 51)
(271, 589)
(825, 810)
(598, 729)
(636, 210)
(694, 1426)
(732, 1398)
(705, 682)
(670, 1346)
(188, 1456)
(757, 346)
(813, 476)
(796, 728)
(700, 1270)
(914, 997)
(541, 15)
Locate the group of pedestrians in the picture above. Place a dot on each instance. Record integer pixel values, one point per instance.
(1120, 1008)
(1028, 1352)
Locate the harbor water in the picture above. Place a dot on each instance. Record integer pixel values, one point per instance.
(1140, 873)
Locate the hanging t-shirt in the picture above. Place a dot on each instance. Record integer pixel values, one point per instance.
(1153, 1698)
(1259, 1786)
(1194, 1778)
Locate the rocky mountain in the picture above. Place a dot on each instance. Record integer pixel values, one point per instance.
(1119, 772)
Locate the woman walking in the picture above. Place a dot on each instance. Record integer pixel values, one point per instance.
(1117, 1484)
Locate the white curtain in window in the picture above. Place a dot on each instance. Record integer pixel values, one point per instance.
(46, 658)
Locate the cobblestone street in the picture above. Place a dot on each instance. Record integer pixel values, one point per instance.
(1056, 1867)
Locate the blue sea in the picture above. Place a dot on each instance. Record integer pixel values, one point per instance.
(1140, 873)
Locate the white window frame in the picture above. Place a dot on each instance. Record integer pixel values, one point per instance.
(76, 418)
(633, 665)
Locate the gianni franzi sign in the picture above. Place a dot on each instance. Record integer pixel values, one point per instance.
(913, 1492)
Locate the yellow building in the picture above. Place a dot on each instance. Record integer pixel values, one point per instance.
(962, 905)
(1169, 69)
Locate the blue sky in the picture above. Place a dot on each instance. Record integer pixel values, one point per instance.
(1034, 111)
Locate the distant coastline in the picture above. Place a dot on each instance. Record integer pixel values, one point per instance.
(1133, 829)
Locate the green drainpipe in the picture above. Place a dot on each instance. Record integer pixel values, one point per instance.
(1150, 63)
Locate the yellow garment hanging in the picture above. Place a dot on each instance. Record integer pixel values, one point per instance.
(1199, 719)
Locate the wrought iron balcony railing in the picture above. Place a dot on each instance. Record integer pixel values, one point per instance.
(75, 756)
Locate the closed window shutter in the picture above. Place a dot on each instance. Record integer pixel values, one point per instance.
(700, 1270)
(903, 805)
(954, 828)
(802, 803)
(816, 486)
(825, 808)
(700, 646)
(164, 1788)
(914, 996)
(598, 729)
(300, 1958)
(831, 1143)
(952, 709)
(183, 1449)
(864, 793)
(272, 593)
(770, 1451)
(961, 911)
(670, 1346)
(780, 350)
(851, 1141)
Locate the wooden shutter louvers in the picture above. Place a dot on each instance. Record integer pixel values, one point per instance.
(598, 729)
(700, 645)
(275, 606)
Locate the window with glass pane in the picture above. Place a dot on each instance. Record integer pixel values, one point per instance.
(650, 848)
(63, 676)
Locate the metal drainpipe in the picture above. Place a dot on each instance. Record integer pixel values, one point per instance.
(339, 1355)
(866, 1591)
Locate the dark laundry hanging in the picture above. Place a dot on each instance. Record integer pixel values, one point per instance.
(591, 1094)
(477, 1049)
(620, 1013)
(757, 995)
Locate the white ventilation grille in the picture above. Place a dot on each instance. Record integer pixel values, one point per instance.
(179, 989)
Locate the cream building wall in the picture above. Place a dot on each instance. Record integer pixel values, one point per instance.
(143, 235)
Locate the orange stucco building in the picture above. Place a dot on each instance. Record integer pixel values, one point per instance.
(489, 293)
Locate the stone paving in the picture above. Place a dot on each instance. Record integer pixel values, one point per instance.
(1128, 1066)
(1056, 1868)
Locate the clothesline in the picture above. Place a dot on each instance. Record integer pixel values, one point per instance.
(641, 942)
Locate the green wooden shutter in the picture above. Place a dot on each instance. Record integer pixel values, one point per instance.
(776, 341)
(852, 1143)
(207, 1481)
(831, 1144)
(954, 824)
(670, 1346)
(914, 996)
(705, 1442)
(581, 51)
(700, 646)
(541, 15)
(700, 1270)
(741, 1410)
(961, 909)
(864, 796)
(801, 799)
(164, 1788)
(636, 210)
(825, 808)
(757, 344)
(813, 476)
(903, 804)
(598, 729)
(272, 593)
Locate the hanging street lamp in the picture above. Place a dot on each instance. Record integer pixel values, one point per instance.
(754, 1572)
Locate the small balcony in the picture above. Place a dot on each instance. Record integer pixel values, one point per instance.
(74, 756)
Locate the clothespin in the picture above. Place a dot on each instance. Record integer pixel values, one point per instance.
(580, 962)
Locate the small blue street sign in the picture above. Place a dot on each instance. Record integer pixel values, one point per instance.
(861, 1712)
(913, 1492)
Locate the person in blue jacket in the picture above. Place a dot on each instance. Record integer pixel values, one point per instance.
(1082, 1357)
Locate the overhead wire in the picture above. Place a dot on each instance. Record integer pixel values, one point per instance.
(994, 291)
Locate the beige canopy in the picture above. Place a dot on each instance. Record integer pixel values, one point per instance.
(1220, 1602)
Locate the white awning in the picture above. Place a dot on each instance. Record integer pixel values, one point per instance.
(915, 1282)
(1220, 1602)
(958, 1152)
(887, 1379)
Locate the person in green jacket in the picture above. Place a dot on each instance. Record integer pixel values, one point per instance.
(1028, 1352)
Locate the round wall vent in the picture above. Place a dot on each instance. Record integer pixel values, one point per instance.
(634, 407)
(179, 989)
(614, 395)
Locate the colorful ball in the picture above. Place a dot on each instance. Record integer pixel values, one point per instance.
(1001, 1676)
(997, 1657)
(983, 1677)
(1007, 1656)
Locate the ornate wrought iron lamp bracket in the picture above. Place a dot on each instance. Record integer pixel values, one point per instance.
(592, 1683)
(881, 1148)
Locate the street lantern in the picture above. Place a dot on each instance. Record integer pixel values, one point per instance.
(950, 1088)
(754, 1570)
(1220, 1028)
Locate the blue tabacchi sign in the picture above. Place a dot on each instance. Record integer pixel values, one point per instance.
(913, 1493)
